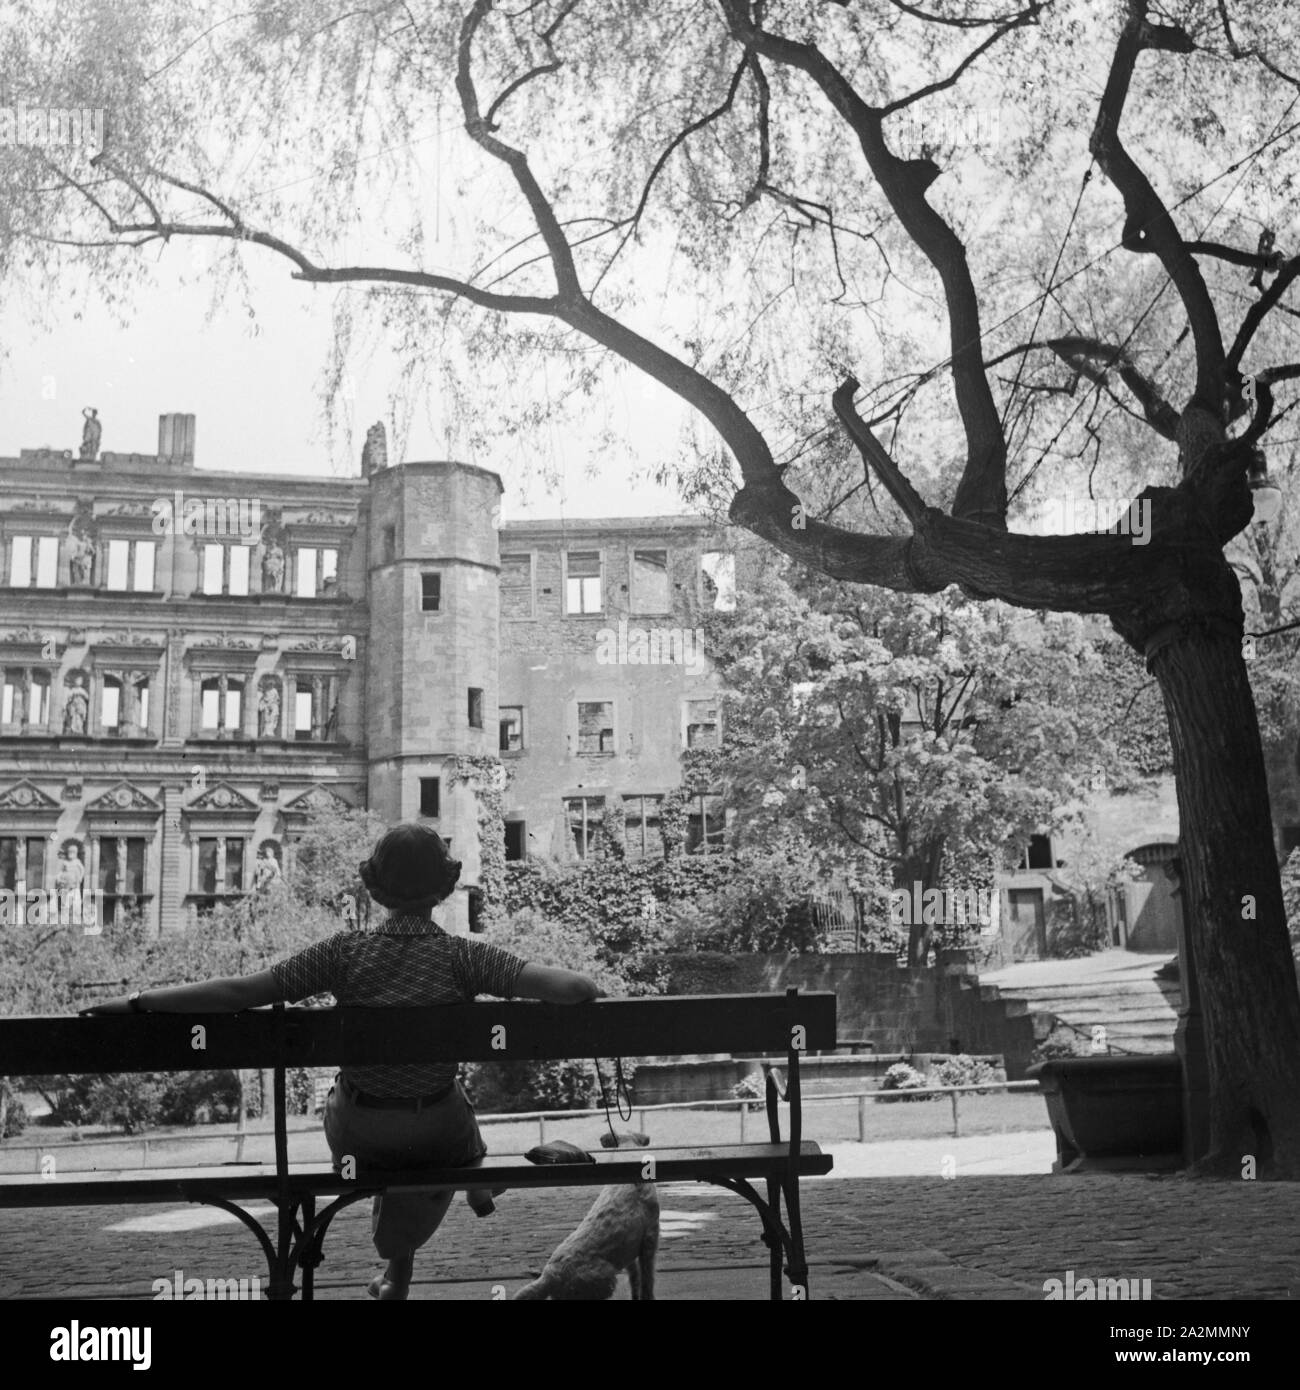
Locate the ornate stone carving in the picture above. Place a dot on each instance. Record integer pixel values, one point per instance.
(123, 797)
(319, 643)
(129, 509)
(269, 791)
(128, 637)
(325, 519)
(222, 639)
(72, 791)
(318, 799)
(24, 634)
(221, 798)
(23, 796)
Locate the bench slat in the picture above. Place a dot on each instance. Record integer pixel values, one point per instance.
(497, 1170)
(675, 1025)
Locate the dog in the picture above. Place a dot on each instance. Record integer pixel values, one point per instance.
(619, 1232)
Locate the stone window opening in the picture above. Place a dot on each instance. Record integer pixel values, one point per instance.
(317, 571)
(130, 565)
(475, 707)
(718, 580)
(585, 816)
(222, 700)
(25, 700)
(225, 569)
(22, 862)
(431, 592)
(705, 825)
(34, 562)
(511, 725)
(702, 725)
(642, 835)
(583, 582)
(651, 591)
(431, 797)
(596, 726)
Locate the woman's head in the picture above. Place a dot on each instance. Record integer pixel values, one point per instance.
(410, 869)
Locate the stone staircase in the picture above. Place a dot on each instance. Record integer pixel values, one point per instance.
(1114, 990)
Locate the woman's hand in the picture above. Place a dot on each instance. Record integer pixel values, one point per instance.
(107, 1006)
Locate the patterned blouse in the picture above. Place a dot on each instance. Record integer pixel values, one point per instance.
(406, 962)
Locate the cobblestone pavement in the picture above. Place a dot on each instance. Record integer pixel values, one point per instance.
(867, 1238)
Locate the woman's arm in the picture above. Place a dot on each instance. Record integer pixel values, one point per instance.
(228, 996)
(555, 986)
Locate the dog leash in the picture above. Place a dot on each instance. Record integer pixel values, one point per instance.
(621, 1095)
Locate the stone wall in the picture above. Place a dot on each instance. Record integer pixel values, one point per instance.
(897, 1009)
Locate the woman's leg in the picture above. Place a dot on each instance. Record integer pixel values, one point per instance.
(443, 1134)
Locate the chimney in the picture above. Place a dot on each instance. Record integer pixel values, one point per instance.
(176, 440)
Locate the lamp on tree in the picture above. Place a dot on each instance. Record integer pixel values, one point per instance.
(1265, 493)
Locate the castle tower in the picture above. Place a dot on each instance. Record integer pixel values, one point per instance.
(431, 680)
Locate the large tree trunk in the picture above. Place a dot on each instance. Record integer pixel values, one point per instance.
(1232, 891)
(919, 865)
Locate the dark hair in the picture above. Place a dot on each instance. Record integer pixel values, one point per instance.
(410, 869)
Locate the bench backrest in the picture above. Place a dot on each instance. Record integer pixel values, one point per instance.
(767, 1024)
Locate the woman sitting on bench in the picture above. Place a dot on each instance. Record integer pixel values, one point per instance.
(402, 1116)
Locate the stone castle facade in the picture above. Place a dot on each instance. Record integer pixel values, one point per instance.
(193, 662)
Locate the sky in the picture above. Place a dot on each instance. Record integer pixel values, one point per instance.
(254, 386)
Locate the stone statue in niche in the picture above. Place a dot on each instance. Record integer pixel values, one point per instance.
(268, 711)
(272, 554)
(76, 706)
(91, 432)
(81, 556)
(68, 881)
(267, 868)
(81, 545)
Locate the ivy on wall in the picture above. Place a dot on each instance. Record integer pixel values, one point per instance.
(488, 779)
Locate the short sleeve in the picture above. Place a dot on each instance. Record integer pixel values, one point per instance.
(315, 969)
(488, 969)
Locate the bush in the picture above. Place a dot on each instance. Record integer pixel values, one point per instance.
(200, 1097)
(129, 1099)
(752, 1088)
(504, 1088)
(1062, 1042)
(965, 1071)
(15, 1113)
(901, 1077)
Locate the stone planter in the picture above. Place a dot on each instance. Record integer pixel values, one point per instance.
(1114, 1113)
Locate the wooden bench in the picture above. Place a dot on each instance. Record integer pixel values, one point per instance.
(791, 1024)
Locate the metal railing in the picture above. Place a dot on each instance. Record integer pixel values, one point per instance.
(747, 1108)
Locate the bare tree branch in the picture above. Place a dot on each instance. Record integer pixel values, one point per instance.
(561, 254)
(1148, 225)
(1029, 16)
(1080, 352)
(878, 458)
(1259, 311)
(981, 493)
